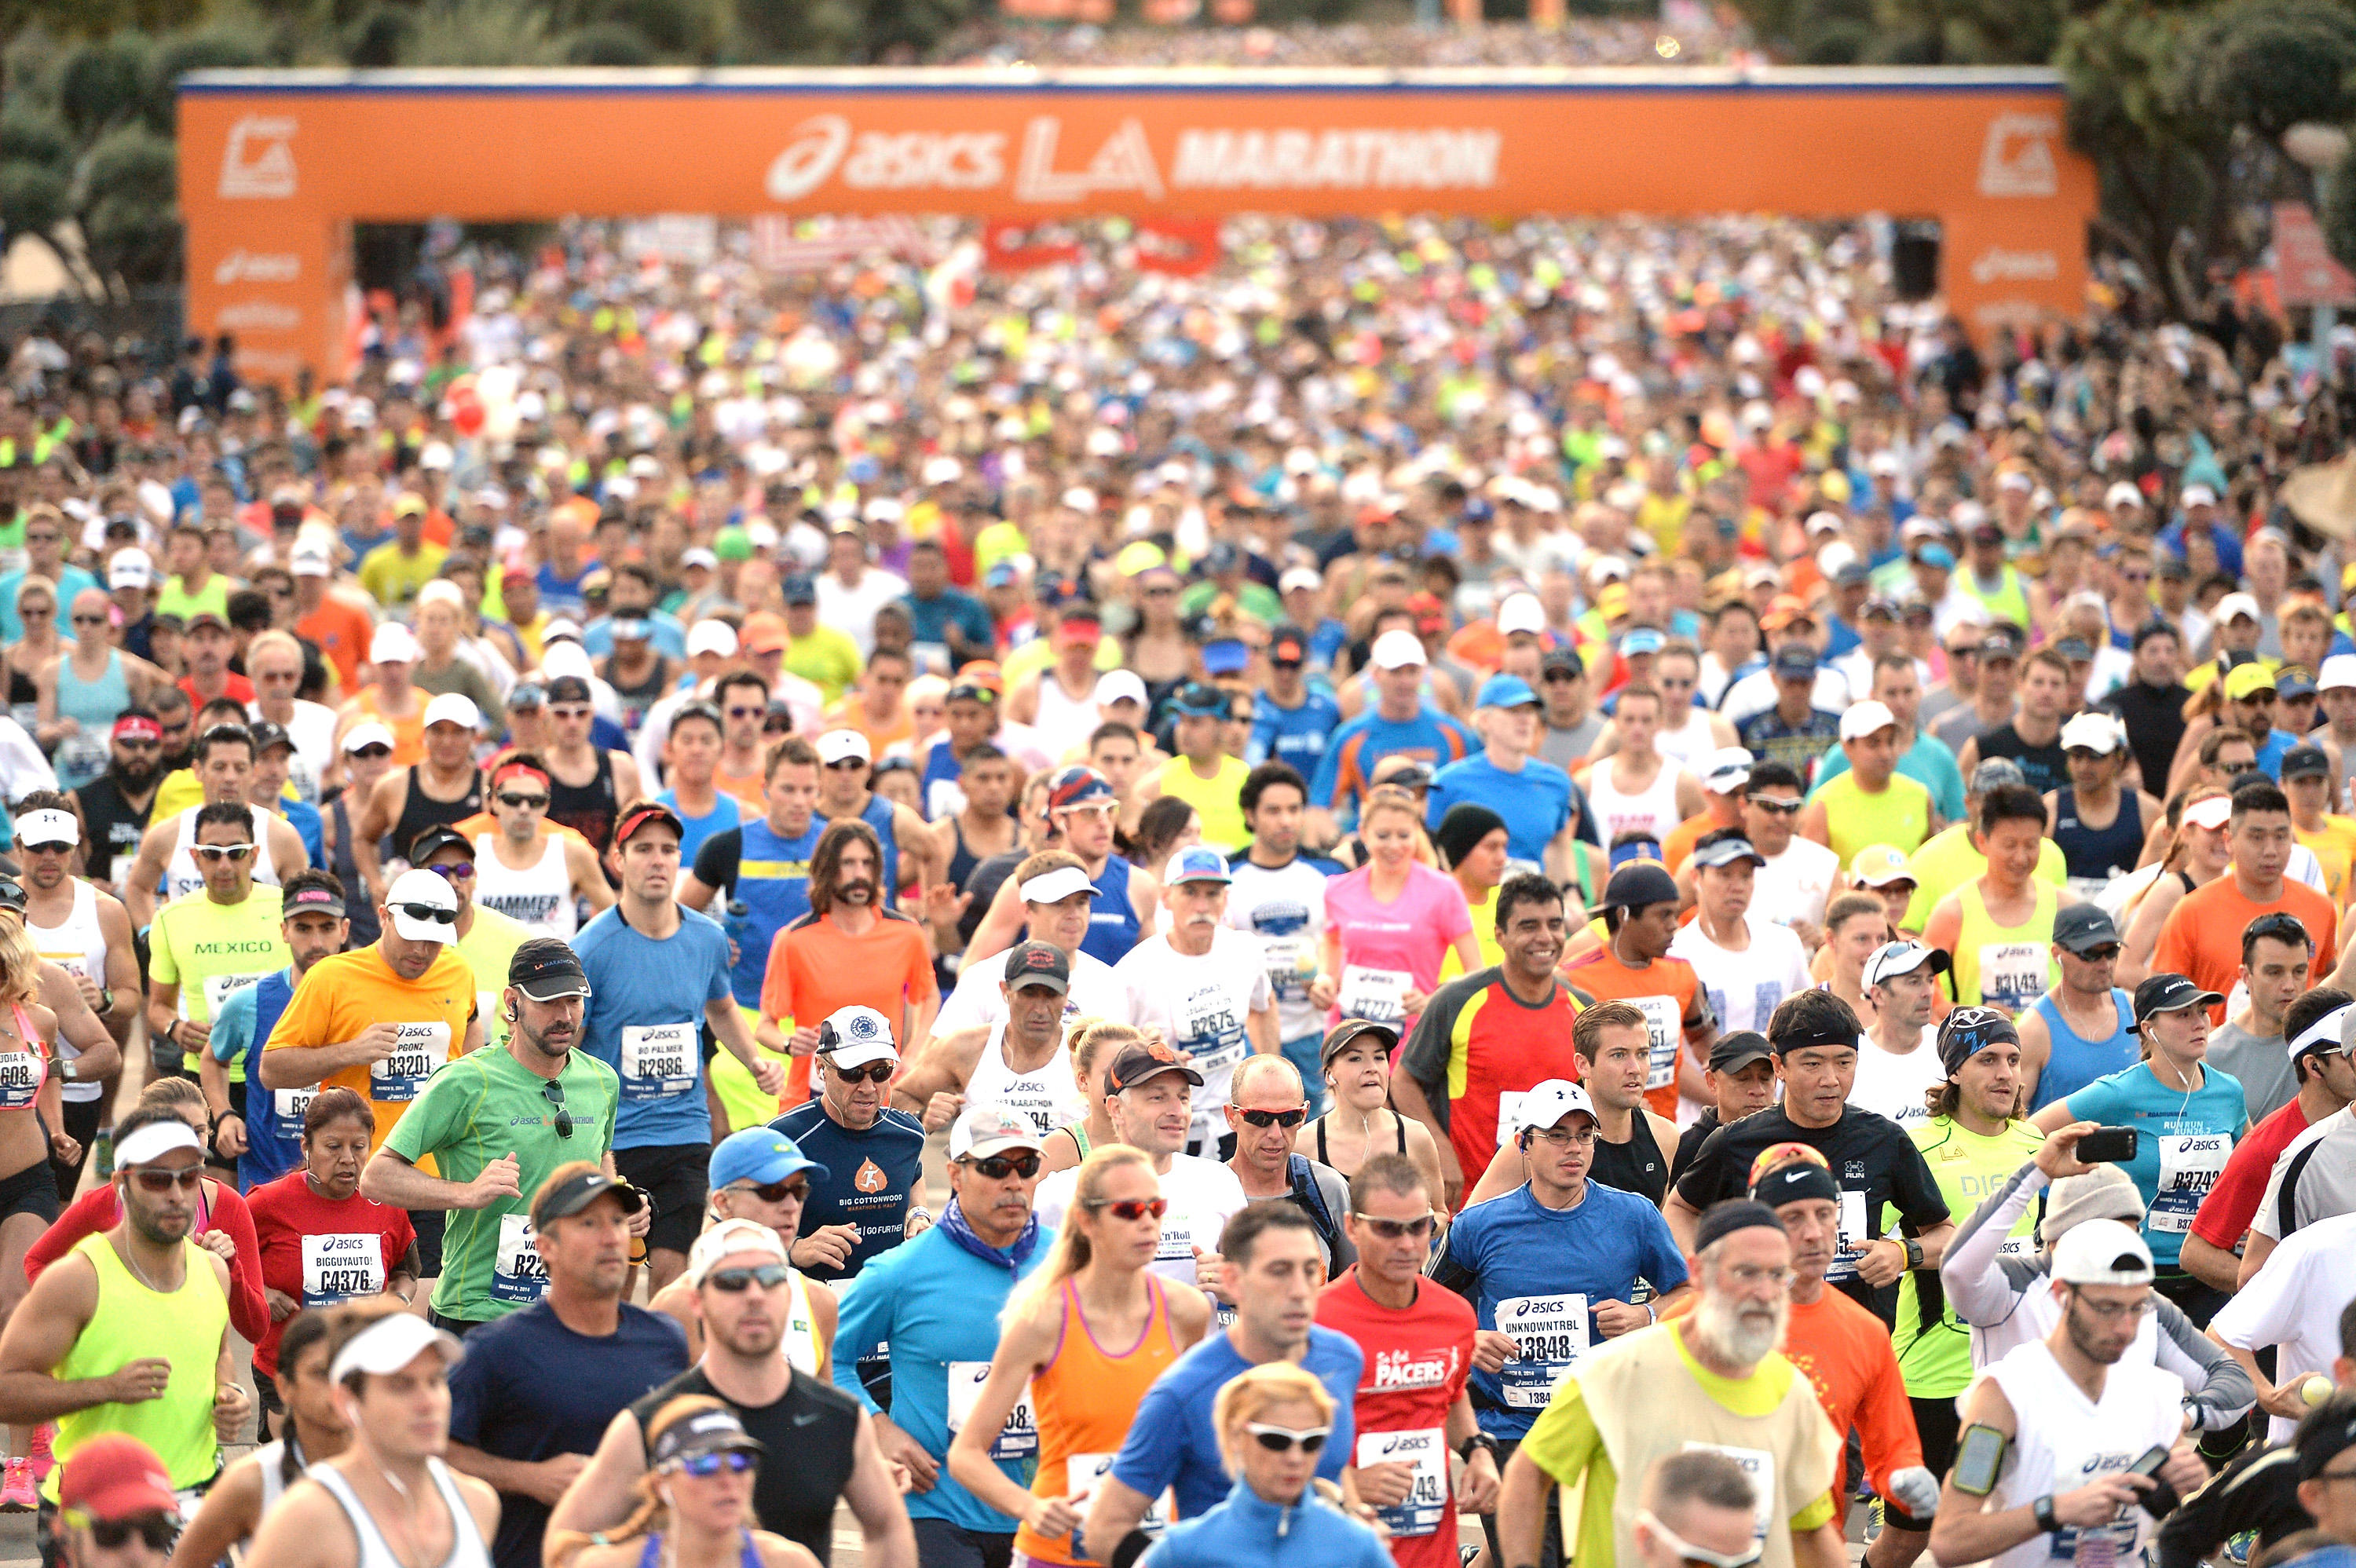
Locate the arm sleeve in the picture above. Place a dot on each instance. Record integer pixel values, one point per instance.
(248, 1308)
(716, 861)
(2269, 1220)
(87, 1215)
(777, 982)
(1455, 1267)
(1329, 773)
(1982, 1292)
(1563, 1441)
(2220, 1391)
(864, 1317)
(419, 1131)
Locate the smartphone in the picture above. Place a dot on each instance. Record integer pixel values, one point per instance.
(2108, 1146)
(1978, 1457)
(2161, 1501)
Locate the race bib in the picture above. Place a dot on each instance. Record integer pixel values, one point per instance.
(2086, 889)
(287, 1109)
(220, 988)
(1209, 1030)
(1425, 1448)
(1083, 1471)
(1758, 1465)
(418, 1054)
(1378, 996)
(342, 1266)
(1290, 964)
(2013, 974)
(657, 1060)
(1035, 1101)
(1551, 1333)
(20, 1079)
(1019, 1438)
(1663, 1029)
(517, 1271)
(2189, 1164)
(1853, 1238)
(119, 868)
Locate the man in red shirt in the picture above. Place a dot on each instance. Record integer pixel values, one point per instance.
(1411, 1408)
(2315, 1032)
(206, 643)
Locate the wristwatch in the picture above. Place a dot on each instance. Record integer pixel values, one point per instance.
(2042, 1508)
(1913, 1253)
(1478, 1440)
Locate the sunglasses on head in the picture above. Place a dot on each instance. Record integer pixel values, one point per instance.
(1293, 1118)
(230, 852)
(1396, 1229)
(873, 1072)
(735, 1461)
(797, 1189)
(999, 1167)
(737, 1280)
(553, 1093)
(157, 1531)
(509, 798)
(159, 1178)
(434, 913)
(1131, 1208)
(1284, 1439)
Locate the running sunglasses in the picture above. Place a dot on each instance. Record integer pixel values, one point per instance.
(873, 1072)
(1293, 1118)
(733, 1280)
(778, 1191)
(373, 752)
(1131, 1208)
(461, 871)
(999, 1167)
(153, 1179)
(509, 798)
(1284, 1439)
(553, 1093)
(155, 1530)
(735, 1461)
(1778, 807)
(432, 913)
(1695, 1556)
(1395, 1229)
(231, 852)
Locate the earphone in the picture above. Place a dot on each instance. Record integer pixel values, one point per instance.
(511, 1012)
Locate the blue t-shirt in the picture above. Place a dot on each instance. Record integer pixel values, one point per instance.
(1535, 802)
(932, 618)
(937, 1305)
(646, 1021)
(1537, 1274)
(303, 818)
(520, 1392)
(1346, 772)
(870, 1177)
(1297, 736)
(2184, 1144)
(726, 812)
(274, 1117)
(2270, 755)
(1173, 1441)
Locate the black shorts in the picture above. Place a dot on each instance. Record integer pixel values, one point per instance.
(32, 1190)
(1938, 1424)
(940, 1544)
(673, 1177)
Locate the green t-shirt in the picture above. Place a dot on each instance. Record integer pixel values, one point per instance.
(1936, 1359)
(826, 658)
(174, 598)
(479, 1108)
(489, 945)
(211, 950)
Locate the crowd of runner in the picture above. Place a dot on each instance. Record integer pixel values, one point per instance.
(1585, 878)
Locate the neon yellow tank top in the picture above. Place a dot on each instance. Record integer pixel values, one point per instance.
(805, 1347)
(1899, 815)
(1217, 801)
(2006, 966)
(133, 1322)
(2007, 602)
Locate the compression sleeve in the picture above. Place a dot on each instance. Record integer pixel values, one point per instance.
(1983, 1291)
(2221, 1391)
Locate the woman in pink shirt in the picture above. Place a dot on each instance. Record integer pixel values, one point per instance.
(1390, 923)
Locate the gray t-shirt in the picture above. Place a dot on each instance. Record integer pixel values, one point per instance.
(1564, 747)
(2261, 1063)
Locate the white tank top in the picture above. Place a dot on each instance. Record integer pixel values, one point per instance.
(1065, 723)
(78, 947)
(467, 1548)
(540, 897)
(271, 1457)
(2066, 1440)
(1653, 812)
(1048, 1095)
(1688, 744)
(181, 877)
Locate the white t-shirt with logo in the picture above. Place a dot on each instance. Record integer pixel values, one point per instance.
(1200, 1005)
(1285, 908)
(1203, 1194)
(1744, 988)
(1893, 1085)
(1797, 884)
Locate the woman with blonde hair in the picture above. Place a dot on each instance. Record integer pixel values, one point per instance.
(1089, 1332)
(31, 1098)
(1272, 1422)
(1389, 922)
(1087, 1040)
(694, 1501)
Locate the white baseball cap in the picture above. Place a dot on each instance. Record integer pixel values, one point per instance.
(2096, 731)
(1866, 719)
(453, 708)
(2123, 493)
(2102, 1252)
(1892, 959)
(711, 637)
(2198, 496)
(725, 1240)
(855, 1035)
(1299, 577)
(1123, 685)
(2212, 813)
(392, 645)
(310, 561)
(842, 745)
(1728, 769)
(366, 734)
(424, 890)
(2234, 604)
(2338, 671)
(1521, 613)
(391, 1343)
(1549, 1102)
(131, 569)
(1398, 648)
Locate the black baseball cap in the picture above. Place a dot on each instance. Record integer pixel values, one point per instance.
(2079, 927)
(1038, 963)
(1147, 1059)
(434, 840)
(2168, 994)
(2304, 762)
(569, 688)
(1286, 646)
(267, 735)
(1737, 1050)
(1563, 658)
(567, 1193)
(2327, 1432)
(1795, 659)
(545, 969)
(1639, 884)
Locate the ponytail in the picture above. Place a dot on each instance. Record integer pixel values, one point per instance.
(1071, 1251)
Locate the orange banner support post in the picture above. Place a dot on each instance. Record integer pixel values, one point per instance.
(276, 166)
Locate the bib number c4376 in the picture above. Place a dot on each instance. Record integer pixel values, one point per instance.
(342, 1266)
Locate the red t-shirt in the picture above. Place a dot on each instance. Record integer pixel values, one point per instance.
(1416, 1361)
(2225, 1214)
(321, 1251)
(233, 685)
(1476, 1044)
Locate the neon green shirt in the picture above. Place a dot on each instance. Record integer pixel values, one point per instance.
(1947, 860)
(488, 947)
(1937, 1357)
(209, 950)
(826, 658)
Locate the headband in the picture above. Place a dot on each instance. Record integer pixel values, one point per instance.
(2323, 1032)
(137, 727)
(154, 1140)
(500, 773)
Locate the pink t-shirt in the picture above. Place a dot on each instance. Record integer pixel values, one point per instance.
(1390, 948)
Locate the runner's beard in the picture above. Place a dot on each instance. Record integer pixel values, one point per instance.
(1743, 1333)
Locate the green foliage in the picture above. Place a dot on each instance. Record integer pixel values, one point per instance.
(607, 43)
(2267, 65)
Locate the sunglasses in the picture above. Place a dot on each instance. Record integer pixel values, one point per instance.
(434, 913)
(230, 852)
(1396, 1229)
(1293, 1118)
(1131, 1208)
(847, 765)
(155, 1530)
(749, 713)
(999, 1167)
(374, 753)
(1778, 807)
(1694, 1556)
(735, 1281)
(1284, 1440)
(2102, 955)
(153, 1179)
(873, 1072)
(553, 1093)
(567, 712)
(735, 1461)
(778, 1191)
(509, 798)
(463, 871)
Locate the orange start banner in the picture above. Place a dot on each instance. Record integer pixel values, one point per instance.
(276, 166)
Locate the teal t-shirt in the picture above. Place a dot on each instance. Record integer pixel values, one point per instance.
(2186, 1140)
(479, 1108)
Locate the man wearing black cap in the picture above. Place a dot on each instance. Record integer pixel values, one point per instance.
(2083, 1028)
(587, 783)
(1018, 1063)
(1741, 1078)
(1745, 962)
(1627, 1403)
(268, 1132)
(266, 786)
(497, 1124)
(445, 786)
(2310, 779)
(1640, 911)
(1814, 1036)
(1795, 731)
(1569, 723)
(1475, 846)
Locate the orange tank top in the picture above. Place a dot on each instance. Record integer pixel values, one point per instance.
(408, 734)
(1084, 1399)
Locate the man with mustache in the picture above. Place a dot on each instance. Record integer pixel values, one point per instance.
(114, 805)
(1712, 1379)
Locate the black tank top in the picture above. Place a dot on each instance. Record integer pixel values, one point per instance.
(963, 862)
(1398, 1126)
(1635, 1166)
(420, 811)
(811, 1435)
(362, 912)
(588, 809)
(637, 699)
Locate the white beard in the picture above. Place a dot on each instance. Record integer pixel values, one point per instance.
(1742, 1339)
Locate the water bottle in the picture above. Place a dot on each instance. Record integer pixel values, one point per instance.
(739, 925)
